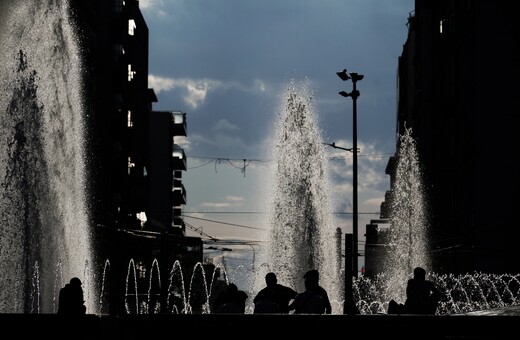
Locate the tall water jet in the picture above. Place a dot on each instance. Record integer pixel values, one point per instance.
(44, 231)
(408, 237)
(302, 233)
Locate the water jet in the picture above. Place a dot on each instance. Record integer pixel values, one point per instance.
(44, 238)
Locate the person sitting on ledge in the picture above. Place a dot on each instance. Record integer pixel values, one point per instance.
(231, 300)
(313, 273)
(310, 301)
(272, 295)
(71, 298)
(422, 297)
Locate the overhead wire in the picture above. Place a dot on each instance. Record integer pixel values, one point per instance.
(245, 162)
(220, 222)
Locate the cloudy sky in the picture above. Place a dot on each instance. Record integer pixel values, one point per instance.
(225, 63)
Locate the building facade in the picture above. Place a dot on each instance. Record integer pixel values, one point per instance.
(135, 166)
(457, 92)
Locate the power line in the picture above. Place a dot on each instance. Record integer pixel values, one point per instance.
(231, 242)
(200, 231)
(225, 223)
(229, 159)
(214, 240)
(263, 212)
(218, 160)
(224, 212)
(245, 162)
(211, 159)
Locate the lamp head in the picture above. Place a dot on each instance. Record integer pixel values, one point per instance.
(343, 75)
(354, 94)
(356, 77)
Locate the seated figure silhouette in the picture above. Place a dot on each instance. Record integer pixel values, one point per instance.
(274, 297)
(266, 303)
(310, 301)
(231, 300)
(422, 297)
(313, 273)
(71, 298)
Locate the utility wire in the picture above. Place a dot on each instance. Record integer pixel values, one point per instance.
(244, 162)
(219, 222)
(218, 160)
(200, 231)
(262, 212)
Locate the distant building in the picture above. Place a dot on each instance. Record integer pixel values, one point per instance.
(135, 166)
(457, 92)
(167, 194)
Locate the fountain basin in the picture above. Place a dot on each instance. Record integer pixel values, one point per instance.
(496, 326)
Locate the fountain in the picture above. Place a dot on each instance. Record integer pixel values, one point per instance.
(45, 233)
(44, 236)
(302, 230)
(408, 237)
(407, 241)
(299, 235)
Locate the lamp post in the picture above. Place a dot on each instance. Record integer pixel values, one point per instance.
(355, 77)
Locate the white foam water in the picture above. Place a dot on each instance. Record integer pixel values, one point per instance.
(44, 230)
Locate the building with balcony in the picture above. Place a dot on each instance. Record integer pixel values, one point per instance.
(135, 166)
(167, 194)
(456, 91)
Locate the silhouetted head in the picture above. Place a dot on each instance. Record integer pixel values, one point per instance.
(270, 279)
(419, 273)
(312, 273)
(311, 283)
(75, 282)
(232, 288)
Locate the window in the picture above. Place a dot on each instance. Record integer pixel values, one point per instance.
(118, 6)
(131, 73)
(118, 51)
(130, 164)
(118, 101)
(129, 122)
(131, 27)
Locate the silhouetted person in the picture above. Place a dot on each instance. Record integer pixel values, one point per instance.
(266, 303)
(395, 308)
(219, 285)
(274, 293)
(232, 300)
(310, 301)
(422, 297)
(71, 298)
(313, 273)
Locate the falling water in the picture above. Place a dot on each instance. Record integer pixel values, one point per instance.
(302, 234)
(409, 224)
(43, 213)
(408, 248)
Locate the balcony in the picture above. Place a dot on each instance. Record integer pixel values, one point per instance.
(178, 158)
(178, 222)
(179, 123)
(178, 195)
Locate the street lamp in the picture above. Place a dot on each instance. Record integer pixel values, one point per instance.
(333, 144)
(355, 77)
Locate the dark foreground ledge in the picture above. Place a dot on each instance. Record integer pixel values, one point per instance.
(139, 327)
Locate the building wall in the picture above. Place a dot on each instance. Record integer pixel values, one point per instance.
(457, 92)
(118, 103)
(122, 157)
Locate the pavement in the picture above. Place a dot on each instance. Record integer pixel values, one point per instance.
(499, 323)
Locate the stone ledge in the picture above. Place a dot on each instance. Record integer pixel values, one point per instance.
(38, 326)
